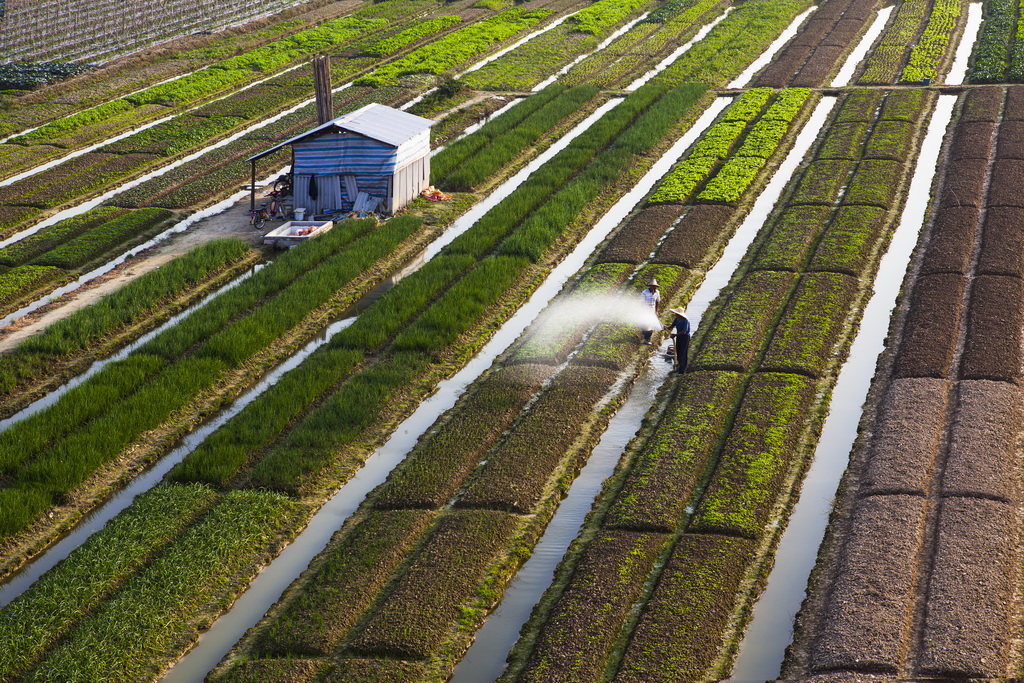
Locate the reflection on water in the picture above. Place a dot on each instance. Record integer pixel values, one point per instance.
(763, 647)
(485, 659)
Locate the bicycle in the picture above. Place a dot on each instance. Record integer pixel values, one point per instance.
(261, 215)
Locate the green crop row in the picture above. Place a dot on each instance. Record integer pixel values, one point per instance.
(531, 62)
(757, 455)
(584, 623)
(743, 324)
(713, 146)
(749, 105)
(456, 48)
(384, 47)
(992, 53)
(667, 11)
(268, 282)
(741, 168)
(17, 283)
(95, 242)
(439, 464)
(350, 575)
(537, 59)
(213, 79)
(159, 609)
(930, 49)
(46, 458)
(24, 250)
(679, 635)
(603, 14)
(421, 608)
(80, 176)
(1016, 71)
(807, 333)
(887, 60)
(764, 138)
(475, 158)
(129, 306)
(736, 41)
(518, 470)
(60, 599)
(175, 136)
(665, 28)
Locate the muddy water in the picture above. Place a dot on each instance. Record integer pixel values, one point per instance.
(602, 45)
(761, 62)
(958, 70)
(762, 649)
(98, 518)
(485, 659)
(845, 75)
(678, 52)
(272, 581)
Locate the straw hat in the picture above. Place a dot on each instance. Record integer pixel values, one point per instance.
(652, 283)
(679, 311)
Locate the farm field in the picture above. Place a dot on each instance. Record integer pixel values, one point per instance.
(333, 462)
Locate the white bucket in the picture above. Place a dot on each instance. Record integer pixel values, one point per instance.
(300, 213)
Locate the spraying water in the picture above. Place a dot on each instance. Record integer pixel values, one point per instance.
(590, 309)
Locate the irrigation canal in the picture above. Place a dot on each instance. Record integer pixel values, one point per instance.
(16, 584)
(763, 647)
(485, 661)
(272, 581)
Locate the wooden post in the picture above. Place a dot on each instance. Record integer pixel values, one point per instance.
(322, 88)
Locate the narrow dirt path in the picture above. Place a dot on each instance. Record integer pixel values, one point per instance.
(231, 223)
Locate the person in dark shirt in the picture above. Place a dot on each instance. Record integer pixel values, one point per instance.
(680, 332)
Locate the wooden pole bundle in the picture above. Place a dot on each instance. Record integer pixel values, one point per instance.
(322, 88)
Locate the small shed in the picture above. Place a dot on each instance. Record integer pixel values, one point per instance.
(374, 158)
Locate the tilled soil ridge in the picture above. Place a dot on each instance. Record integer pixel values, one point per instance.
(919, 574)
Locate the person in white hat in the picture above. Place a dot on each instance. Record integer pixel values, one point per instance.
(680, 333)
(651, 299)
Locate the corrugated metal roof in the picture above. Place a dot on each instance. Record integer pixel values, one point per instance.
(380, 122)
(376, 121)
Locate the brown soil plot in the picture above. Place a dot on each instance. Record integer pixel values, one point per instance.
(983, 458)
(865, 626)
(1002, 242)
(932, 327)
(952, 240)
(975, 564)
(994, 322)
(907, 437)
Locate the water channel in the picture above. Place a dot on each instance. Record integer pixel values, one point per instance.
(485, 659)
(16, 584)
(771, 629)
(269, 585)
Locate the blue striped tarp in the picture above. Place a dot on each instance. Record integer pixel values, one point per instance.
(345, 152)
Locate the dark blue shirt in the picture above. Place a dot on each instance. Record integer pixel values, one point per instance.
(681, 325)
